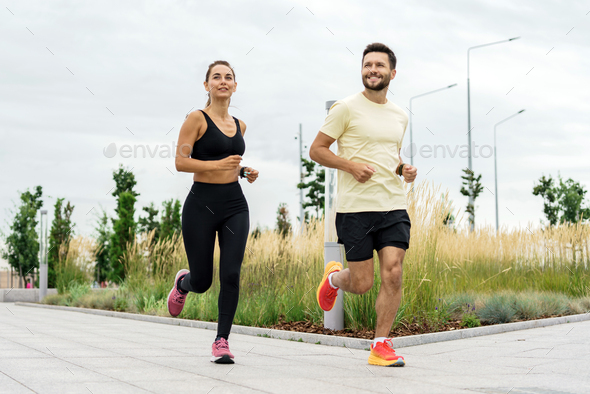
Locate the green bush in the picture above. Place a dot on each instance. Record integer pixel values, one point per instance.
(527, 307)
(554, 304)
(498, 309)
(470, 320)
(121, 304)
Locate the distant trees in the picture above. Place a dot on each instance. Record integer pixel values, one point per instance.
(60, 234)
(472, 187)
(314, 182)
(562, 202)
(150, 223)
(124, 225)
(22, 244)
(103, 238)
(283, 223)
(170, 223)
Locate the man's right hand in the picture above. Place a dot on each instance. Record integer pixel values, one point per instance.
(229, 163)
(362, 172)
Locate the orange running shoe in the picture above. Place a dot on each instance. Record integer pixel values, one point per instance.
(384, 355)
(326, 294)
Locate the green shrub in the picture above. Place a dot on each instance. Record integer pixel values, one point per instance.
(527, 307)
(78, 289)
(54, 299)
(498, 309)
(120, 304)
(554, 304)
(585, 304)
(458, 302)
(470, 320)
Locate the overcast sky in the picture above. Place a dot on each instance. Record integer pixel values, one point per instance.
(79, 76)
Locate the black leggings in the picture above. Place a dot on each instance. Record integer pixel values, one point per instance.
(209, 209)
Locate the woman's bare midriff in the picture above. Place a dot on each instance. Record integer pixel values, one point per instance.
(226, 176)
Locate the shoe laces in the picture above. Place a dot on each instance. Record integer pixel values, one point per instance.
(221, 344)
(177, 296)
(331, 293)
(388, 344)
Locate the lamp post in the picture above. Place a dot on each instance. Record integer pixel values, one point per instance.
(301, 213)
(469, 166)
(411, 136)
(333, 251)
(43, 257)
(496, 167)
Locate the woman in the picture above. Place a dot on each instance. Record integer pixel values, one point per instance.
(215, 203)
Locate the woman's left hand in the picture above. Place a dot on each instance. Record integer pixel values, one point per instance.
(251, 174)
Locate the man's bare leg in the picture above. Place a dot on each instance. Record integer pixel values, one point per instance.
(390, 294)
(357, 278)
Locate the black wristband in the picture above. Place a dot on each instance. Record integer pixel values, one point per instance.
(400, 169)
(242, 172)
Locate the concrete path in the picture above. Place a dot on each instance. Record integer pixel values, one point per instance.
(54, 351)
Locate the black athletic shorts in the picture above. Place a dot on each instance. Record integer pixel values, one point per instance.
(361, 232)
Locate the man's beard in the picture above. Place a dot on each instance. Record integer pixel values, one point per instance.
(384, 84)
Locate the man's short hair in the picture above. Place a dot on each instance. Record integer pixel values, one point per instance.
(378, 47)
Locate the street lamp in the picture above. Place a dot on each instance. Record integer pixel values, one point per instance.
(301, 213)
(496, 167)
(43, 257)
(411, 137)
(333, 251)
(469, 112)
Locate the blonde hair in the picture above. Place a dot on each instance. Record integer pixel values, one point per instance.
(216, 63)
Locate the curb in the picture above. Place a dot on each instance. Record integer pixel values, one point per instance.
(331, 340)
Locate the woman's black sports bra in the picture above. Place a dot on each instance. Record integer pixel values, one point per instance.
(214, 145)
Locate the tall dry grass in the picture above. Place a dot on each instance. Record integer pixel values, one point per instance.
(76, 266)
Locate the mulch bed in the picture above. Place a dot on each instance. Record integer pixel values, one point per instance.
(400, 331)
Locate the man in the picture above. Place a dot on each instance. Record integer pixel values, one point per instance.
(371, 203)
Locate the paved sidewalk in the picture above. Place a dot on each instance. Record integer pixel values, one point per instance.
(54, 351)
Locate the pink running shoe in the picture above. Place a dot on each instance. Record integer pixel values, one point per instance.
(221, 353)
(175, 297)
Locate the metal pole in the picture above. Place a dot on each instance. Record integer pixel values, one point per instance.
(496, 167)
(411, 137)
(411, 122)
(43, 259)
(496, 180)
(333, 251)
(469, 163)
(301, 213)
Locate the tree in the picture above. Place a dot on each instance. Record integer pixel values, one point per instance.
(22, 245)
(124, 226)
(471, 188)
(60, 234)
(283, 223)
(123, 232)
(150, 222)
(124, 182)
(315, 186)
(170, 223)
(257, 232)
(566, 198)
(103, 237)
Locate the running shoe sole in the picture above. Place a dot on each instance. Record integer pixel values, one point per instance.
(374, 360)
(225, 359)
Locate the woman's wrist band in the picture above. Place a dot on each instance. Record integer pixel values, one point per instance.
(400, 169)
(242, 172)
